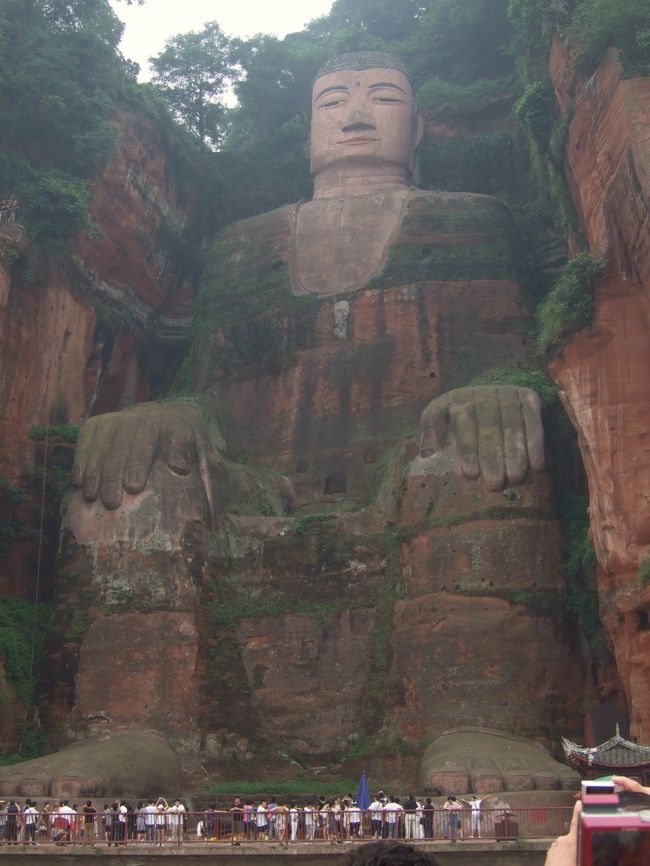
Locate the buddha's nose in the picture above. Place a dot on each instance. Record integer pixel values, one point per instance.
(358, 118)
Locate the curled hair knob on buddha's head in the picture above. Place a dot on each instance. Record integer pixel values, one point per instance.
(360, 60)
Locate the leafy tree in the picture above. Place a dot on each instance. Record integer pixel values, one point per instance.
(94, 16)
(61, 78)
(193, 71)
(275, 86)
(596, 25)
(361, 21)
(461, 41)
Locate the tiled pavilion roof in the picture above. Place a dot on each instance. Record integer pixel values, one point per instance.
(616, 752)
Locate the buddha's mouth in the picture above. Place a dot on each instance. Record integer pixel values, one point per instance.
(358, 139)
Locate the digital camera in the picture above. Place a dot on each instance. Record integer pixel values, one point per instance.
(614, 828)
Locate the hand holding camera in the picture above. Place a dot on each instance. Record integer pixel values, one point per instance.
(605, 830)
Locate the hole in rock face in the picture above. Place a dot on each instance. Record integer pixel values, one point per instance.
(432, 375)
(335, 483)
(369, 456)
(277, 265)
(426, 251)
(643, 623)
(302, 466)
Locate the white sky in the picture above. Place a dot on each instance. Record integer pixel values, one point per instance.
(148, 26)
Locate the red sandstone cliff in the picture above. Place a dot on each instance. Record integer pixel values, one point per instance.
(75, 335)
(603, 371)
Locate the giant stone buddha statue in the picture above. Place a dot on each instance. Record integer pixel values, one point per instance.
(376, 578)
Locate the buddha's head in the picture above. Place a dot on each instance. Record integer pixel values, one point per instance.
(364, 124)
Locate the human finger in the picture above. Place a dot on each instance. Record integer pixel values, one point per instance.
(514, 435)
(462, 417)
(563, 852)
(102, 433)
(434, 426)
(630, 785)
(490, 438)
(531, 407)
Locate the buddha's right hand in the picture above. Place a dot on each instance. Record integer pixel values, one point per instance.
(117, 451)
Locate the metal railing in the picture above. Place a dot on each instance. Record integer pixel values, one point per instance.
(280, 826)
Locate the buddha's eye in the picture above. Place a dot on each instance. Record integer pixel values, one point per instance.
(388, 100)
(332, 103)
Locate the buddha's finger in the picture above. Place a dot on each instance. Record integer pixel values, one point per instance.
(85, 441)
(144, 447)
(531, 407)
(179, 446)
(434, 427)
(115, 460)
(102, 435)
(514, 435)
(463, 420)
(490, 437)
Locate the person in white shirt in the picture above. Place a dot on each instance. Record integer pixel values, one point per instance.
(311, 821)
(375, 810)
(475, 806)
(67, 816)
(175, 822)
(262, 820)
(161, 821)
(391, 813)
(30, 818)
(149, 815)
(353, 820)
(121, 822)
(293, 822)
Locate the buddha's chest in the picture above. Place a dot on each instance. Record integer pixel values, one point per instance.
(339, 245)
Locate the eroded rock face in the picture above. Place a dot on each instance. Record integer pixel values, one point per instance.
(59, 360)
(602, 372)
(72, 337)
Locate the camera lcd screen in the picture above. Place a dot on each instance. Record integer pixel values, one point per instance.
(620, 848)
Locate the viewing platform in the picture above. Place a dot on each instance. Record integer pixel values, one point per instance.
(482, 852)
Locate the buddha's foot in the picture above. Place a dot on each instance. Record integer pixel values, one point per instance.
(130, 762)
(476, 761)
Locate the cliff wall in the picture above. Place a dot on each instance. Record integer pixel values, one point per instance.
(79, 334)
(602, 371)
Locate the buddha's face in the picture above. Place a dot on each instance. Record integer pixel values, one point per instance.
(361, 117)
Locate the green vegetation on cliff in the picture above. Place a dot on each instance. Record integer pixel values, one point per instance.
(569, 305)
(60, 78)
(24, 631)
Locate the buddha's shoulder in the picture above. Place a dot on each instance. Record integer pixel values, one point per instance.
(444, 211)
(264, 230)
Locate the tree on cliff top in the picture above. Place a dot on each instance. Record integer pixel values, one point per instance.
(192, 72)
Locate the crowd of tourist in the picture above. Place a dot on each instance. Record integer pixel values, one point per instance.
(117, 823)
(158, 822)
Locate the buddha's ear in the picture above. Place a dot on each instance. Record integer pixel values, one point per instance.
(418, 131)
(414, 160)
